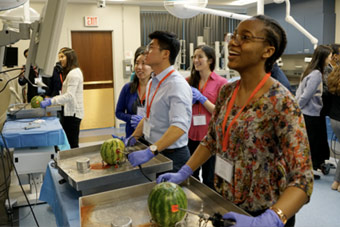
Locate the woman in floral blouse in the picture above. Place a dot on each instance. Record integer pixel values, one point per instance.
(257, 133)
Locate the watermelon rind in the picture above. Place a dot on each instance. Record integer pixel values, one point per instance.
(112, 151)
(161, 200)
(35, 101)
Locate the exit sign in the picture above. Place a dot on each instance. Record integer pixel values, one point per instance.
(91, 21)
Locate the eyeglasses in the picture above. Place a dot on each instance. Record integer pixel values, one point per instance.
(240, 39)
(151, 47)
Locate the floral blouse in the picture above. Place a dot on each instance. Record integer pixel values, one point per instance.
(268, 147)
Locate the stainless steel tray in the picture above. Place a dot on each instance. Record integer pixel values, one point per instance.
(98, 180)
(24, 110)
(102, 209)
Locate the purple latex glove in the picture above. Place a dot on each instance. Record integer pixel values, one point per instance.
(128, 142)
(135, 119)
(197, 96)
(178, 177)
(139, 157)
(46, 102)
(268, 219)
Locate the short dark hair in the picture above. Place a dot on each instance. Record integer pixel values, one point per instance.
(167, 41)
(195, 76)
(275, 36)
(25, 51)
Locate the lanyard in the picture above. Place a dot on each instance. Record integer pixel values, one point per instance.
(230, 105)
(148, 105)
(141, 99)
(201, 90)
(61, 78)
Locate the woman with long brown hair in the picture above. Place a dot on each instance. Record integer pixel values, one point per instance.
(309, 97)
(71, 97)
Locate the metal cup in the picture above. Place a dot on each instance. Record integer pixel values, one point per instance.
(123, 221)
(83, 164)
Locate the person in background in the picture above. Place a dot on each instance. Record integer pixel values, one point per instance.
(334, 114)
(257, 133)
(168, 105)
(325, 168)
(223, 43)
(309, 96)
(205, 84)
(130, 106)
(33, 77)
(335, 61)
(56, 81)
(278, 75)
(71, 97)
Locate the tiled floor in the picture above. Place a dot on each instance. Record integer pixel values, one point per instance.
(322, 211)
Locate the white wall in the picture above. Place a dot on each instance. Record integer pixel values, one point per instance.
(123, 20)
(337, 22)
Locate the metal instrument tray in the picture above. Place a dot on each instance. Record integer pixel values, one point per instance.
(24, 110)
(102, 209)
(103, 179)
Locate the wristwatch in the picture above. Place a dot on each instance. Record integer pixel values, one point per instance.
(154, 149)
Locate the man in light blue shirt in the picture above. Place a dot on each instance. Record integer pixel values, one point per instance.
(168, 105)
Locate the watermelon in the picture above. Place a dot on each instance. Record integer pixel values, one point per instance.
(112, 151)
(164, 200)
(35, 101)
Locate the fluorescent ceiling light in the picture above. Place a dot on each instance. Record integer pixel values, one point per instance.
(241, 2)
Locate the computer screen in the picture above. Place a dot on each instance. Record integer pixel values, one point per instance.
(11, 57)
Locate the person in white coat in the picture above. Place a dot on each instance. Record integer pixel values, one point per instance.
(71, 97)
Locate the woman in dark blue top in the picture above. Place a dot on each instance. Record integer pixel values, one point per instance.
(132, 97)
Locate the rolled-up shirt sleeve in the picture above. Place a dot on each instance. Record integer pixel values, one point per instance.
(180, 110)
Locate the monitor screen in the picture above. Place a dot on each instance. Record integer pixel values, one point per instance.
(11, 57)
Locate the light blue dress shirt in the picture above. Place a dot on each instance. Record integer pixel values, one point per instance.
(171, 106)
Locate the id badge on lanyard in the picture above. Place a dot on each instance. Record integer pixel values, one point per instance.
(199, 119)
(141, 111)
(224, 168)
(146, 128)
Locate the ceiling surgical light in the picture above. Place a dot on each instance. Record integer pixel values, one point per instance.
(10, 4)
(177, 9)
(190, 8)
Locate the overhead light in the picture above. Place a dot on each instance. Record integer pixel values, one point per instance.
(241, 2)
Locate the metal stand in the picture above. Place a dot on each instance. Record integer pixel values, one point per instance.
(31, 165)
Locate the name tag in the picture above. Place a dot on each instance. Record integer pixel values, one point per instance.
(224, 168)
(141, 111)
(199, 120)
(146, 128)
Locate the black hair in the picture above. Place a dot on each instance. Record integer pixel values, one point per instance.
(275, 36)
(195, 77)
(167, 41)
(25, 51)
(135, 82)
(320, 55)
(71, 60)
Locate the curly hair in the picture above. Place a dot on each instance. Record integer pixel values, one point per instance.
(334, 81)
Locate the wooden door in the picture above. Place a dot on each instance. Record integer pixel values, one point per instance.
(94, 50)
